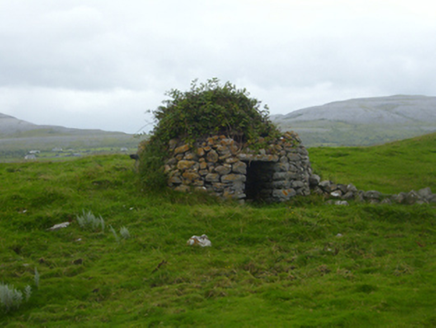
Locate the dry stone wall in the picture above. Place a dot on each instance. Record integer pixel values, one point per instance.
(344, 192)
(230, 169)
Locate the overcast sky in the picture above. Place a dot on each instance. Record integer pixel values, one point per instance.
(103, 63)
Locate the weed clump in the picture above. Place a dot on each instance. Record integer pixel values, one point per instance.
(11, 297)
(90, 221)
(115, 234)
(36, 278)
(124, 232)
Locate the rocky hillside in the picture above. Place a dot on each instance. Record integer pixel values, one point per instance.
(364, 121)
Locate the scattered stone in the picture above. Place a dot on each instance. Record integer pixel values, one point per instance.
(371, 194)
(59, 226)
(202, 241)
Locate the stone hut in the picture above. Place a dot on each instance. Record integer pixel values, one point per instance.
(230, 169)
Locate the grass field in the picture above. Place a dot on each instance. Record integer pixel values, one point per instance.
(299, 264)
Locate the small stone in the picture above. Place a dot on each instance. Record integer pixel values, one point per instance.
(239, 167)
(203, 165)
(212, 156)
(212, 177)
(181, 149)
(231, 160)
(314, 180)
(190, 156)
(200, 152)
(184, 164)
(174, 180)
(372, 194)
(223, 169)
(233, 177)
(182, 188)
(191, 176)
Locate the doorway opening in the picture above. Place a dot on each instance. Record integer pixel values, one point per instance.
(258, 186)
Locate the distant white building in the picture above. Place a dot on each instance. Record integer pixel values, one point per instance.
(124, 149)
(29, 156)
(57, 149)
(34, 152)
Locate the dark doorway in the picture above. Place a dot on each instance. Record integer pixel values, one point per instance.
(258, 185)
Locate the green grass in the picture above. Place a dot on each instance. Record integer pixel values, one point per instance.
(390, 168)
(279, 265)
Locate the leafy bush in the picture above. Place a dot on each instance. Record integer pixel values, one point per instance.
(151, 165)
(210, 108)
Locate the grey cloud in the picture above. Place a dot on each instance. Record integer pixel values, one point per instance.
(60, 58)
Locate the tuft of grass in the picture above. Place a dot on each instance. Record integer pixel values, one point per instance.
(12, 298)
(117, 238)
(124, 232)
(36, 278)
(89, 221)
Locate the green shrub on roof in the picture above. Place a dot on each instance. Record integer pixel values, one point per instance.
(211, 108)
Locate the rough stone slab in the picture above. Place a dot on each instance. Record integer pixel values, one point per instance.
(259, 158)
(223, 169)
(175, 180)
(181, 149)
(283, 193)
(201, 152)
(190, 176)
(239, 167)
(314, 180)
(297, 184)
(294, 157)
(231, 160)
(425, 192)
(184, 164)
(372, 194)
(182, 188)
(212, 156)
(212, 177)
(233, 178)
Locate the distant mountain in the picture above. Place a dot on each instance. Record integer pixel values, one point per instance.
(10, 125)
(18, 138)
(363, 121)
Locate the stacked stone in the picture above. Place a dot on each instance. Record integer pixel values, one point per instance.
(219, 164)
(348, 192)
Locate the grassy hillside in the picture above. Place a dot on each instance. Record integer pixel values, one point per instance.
(389, 168)
(269, 266)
